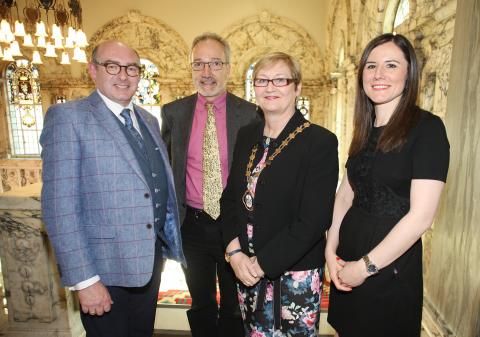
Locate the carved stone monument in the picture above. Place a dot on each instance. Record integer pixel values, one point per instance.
(38, 306)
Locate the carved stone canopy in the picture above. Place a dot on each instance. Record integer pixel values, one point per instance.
(152, 39)
(255, 36)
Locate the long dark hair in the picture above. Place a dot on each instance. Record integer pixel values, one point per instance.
(406, 113)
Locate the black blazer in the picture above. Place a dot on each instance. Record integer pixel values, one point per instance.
(177, 118)
(293, 199)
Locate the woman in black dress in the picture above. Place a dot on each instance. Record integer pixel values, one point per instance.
(397, 166)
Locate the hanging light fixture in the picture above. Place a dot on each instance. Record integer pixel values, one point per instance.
(65, 58)
(7, 55)
(27, 41)
(27, 25)
(36, 58)
(15, 49)
(50, 50)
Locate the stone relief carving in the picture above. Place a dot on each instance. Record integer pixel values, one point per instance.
(28, 287)
(257, 35)
(12, 178)
(152, 39)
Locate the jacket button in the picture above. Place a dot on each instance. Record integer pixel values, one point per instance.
(149, 225)
(146, 195)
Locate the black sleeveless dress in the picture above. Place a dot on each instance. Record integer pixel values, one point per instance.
(388, 304)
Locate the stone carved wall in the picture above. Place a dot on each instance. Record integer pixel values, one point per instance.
(38, 306)
(257, 35)
(16, 173)
(22, 244)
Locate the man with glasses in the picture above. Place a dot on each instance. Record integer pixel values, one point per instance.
(200, 131)
(108, 198)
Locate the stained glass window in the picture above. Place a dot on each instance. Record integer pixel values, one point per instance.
(24, 108)
(148, 93)
(249, 90)
(402, 13)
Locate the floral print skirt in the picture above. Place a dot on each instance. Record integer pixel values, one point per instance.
(300, 306)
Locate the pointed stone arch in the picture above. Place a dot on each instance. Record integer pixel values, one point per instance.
(257, 35)
(338, 31)
(153, 39)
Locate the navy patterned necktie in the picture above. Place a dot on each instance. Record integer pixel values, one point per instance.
(136, 135)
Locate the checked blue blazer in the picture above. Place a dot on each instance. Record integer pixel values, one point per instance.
(95, 199)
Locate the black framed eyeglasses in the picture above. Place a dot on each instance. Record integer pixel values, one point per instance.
(132, 70)
(277, 82)
(214, 65)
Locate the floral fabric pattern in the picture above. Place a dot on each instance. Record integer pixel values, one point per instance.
(300, 306)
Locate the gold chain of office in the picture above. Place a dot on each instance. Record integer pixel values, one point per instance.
(277, 151)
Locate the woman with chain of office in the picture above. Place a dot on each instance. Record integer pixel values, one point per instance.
(277, 206)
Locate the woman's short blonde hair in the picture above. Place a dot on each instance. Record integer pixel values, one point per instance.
(276, 57)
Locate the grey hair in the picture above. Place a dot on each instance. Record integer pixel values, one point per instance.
(214, 37)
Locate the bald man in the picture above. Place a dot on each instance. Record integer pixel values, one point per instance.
(108, 198)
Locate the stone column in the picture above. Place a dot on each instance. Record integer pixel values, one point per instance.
(452, 297)
(37, 304)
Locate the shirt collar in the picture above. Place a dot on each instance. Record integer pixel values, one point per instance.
(218, 101)
(114, 106)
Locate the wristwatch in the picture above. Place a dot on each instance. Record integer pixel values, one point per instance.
(228, 255)
(372, 269)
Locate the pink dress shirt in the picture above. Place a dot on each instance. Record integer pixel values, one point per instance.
(194, 171)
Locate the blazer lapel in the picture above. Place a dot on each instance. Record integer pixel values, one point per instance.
(233, 115)
(185, 117)
(106, 119)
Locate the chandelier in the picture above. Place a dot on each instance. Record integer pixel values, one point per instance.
(42, 28)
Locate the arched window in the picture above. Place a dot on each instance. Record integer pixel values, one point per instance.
(24, 108)
(402, 13)
(249, 90)
(148, 93)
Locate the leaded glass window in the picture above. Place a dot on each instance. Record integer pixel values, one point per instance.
(249, 90)
(402, 13)
(24, 108)
(148, 93)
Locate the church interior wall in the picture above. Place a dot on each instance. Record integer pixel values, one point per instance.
(453, 283)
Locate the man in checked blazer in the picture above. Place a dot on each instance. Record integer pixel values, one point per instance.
(183, 125)
(108, 198)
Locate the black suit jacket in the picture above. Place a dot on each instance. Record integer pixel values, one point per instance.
(293, 199)
(177, 118)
